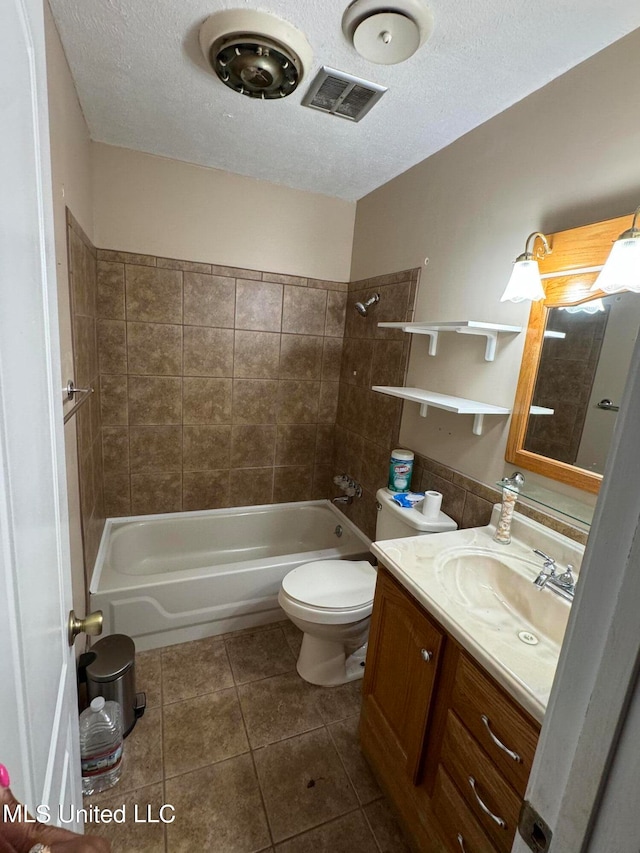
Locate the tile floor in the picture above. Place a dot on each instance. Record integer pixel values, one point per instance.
(251, 756)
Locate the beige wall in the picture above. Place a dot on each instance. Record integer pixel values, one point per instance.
(71, 178)
(565, 156)
(155, 206)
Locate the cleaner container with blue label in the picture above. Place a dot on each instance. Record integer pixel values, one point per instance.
(400, 470)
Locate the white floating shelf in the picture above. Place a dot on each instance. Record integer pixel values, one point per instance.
(459, 405)
(490, 331)
(540, 410)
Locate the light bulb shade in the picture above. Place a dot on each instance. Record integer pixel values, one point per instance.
(622, 269)
(595, 306)
(525, 283)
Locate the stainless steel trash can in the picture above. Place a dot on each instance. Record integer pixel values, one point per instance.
(110, 671)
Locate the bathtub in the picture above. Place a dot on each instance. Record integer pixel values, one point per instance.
(170, 578)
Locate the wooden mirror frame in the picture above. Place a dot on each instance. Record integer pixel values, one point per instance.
(572, 252)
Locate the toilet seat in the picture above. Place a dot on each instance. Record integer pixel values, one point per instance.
(329, 591)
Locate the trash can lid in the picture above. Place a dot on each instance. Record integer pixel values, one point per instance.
(114, 655)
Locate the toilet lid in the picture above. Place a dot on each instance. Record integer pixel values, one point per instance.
(332, 584)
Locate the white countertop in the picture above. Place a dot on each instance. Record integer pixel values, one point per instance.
(490, 634)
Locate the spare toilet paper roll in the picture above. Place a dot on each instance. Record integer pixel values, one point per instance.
(431, 505)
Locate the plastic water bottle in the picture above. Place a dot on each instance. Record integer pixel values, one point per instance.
(101, 745)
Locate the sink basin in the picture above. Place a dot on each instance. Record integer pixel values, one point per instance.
(501, 590)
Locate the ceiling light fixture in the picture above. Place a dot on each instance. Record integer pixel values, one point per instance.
(254, 53)
(387, 33)
(525, 281)
(622, 268)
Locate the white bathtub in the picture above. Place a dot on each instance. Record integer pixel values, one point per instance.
(170, 578)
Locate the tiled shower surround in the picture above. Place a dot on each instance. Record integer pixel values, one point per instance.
(219, 385)
(83, 299)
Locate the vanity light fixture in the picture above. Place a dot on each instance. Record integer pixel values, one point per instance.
(525, 281)
(595, 306)
(622, 268)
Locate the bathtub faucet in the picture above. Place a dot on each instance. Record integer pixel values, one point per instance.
(343, 500)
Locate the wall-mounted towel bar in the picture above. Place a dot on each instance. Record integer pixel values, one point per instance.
(70, 391)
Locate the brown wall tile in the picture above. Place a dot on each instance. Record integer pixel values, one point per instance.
(332, 358)
(252, 446)
(477, 511)
(304, 311)
(256, 355)
(206, 401)
(154, 348)
(114, 401)
(155, 448)
(254, 401)
(236, 272)
(85, 353)
(185, 266)
(296, 444)
(300, 357)
(155, 400)
(153, 295)
(115, 449)
(298, 402)
(206, 448)
(285, 279)
(209, 300)
(153, 493)
(328, 402)
(208, 352)
(251, 487)
(117, 495)
(126, 257)
(112, 346)
(325, 440)
(110, 304)
(258, 306)
(205, 489)
(293, 483)
(336, 314)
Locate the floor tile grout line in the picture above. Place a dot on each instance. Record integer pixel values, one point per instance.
(253, 761)
(344, 766)
(371, 829)
(321, 825)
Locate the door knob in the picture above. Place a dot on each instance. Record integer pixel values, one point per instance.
(91, 624)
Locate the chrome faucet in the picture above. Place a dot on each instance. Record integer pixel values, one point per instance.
(563, 584)
(343, 500)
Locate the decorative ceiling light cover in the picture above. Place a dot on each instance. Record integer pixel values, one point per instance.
(255, 53)
(387, 33)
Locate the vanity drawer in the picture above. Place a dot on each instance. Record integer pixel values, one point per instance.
(460, 830)
(475, 697)
(465, 760)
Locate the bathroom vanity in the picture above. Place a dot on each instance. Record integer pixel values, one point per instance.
(460, 664)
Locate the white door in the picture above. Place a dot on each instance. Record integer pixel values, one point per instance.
(38, 716)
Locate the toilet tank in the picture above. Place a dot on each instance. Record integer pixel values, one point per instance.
(395, 522)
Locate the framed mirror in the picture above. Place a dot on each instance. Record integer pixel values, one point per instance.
(575, 361)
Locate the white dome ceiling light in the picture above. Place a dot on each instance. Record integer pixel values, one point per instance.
(255, 53)
(390, 33)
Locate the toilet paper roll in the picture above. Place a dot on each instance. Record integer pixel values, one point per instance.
(431, 505)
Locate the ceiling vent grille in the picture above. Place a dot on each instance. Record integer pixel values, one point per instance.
(342, 94)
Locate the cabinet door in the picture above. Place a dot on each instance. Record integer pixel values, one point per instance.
(402, 662)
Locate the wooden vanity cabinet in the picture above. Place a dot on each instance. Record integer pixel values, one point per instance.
(452, 750)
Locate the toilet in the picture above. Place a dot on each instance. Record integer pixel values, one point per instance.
(331, 600)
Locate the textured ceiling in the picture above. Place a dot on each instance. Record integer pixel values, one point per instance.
(143, 84)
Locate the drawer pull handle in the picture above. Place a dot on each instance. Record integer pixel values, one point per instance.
(461, 843)
(426, 655)
(494, 817)
(498, 742)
